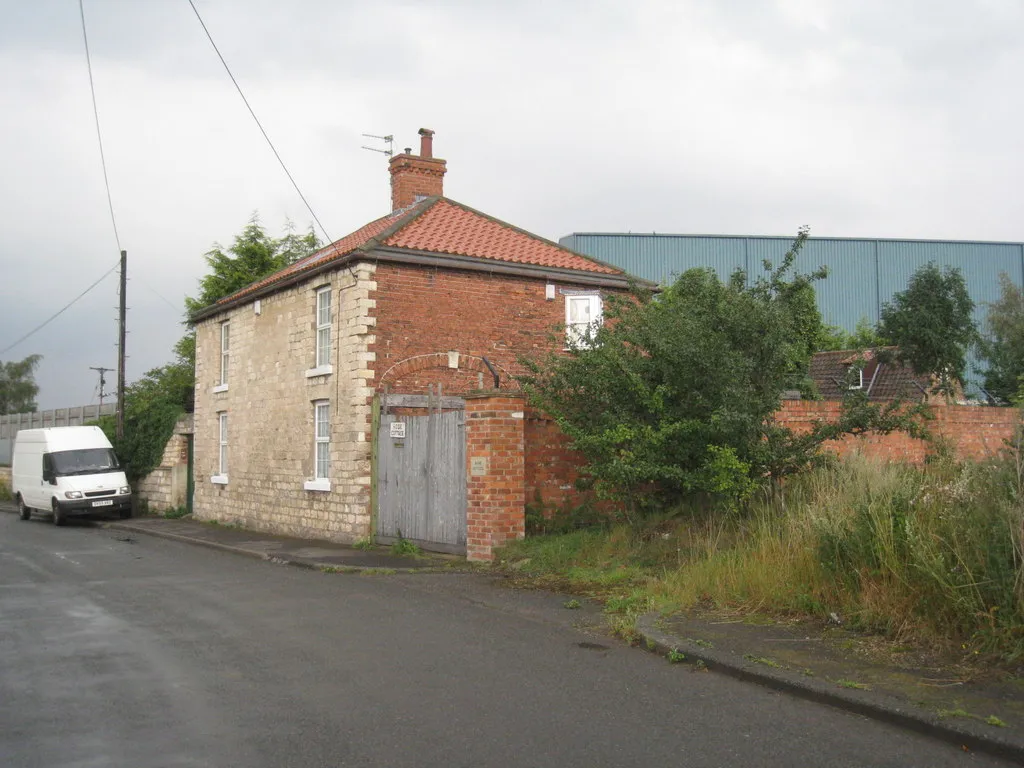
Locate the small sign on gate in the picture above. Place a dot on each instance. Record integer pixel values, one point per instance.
(398, 430)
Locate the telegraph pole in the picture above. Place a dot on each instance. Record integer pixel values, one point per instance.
(121, 317)
(103, 381)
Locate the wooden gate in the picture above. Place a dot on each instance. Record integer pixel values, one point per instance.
(421, 471)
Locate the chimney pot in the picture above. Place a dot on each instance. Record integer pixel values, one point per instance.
(426, 143)
(408, 150)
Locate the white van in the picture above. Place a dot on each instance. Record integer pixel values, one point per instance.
(68, 471)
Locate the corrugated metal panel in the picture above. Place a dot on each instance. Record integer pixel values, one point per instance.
(863, 273)
(980, 263)
(848, 293)
(661, 258)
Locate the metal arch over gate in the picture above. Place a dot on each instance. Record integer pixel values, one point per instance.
(421, 471)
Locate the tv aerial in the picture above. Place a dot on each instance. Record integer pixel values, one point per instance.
(389, 140)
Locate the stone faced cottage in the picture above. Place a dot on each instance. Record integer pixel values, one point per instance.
(311, 417)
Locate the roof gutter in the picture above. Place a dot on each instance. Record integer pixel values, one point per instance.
(428, 259)
(245, 298)
(494, 266)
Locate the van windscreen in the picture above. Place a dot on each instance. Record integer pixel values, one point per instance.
(84, 461)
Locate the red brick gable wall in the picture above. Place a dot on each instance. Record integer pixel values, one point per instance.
(427, 311)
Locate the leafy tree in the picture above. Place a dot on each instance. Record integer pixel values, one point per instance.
(253, 255)
(1002, 346)
(930, 324)
(18, 388)
(864, 336)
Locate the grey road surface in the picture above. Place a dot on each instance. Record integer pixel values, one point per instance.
(153, 653)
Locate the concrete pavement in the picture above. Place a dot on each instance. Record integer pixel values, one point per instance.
(123, 650)
(307, 553)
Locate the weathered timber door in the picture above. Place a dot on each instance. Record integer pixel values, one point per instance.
(421, 471)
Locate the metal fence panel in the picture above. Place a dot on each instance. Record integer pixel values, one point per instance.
(59, 417)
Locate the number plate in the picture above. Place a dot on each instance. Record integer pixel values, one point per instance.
(104, 503)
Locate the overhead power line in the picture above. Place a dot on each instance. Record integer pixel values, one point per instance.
(59, 312)
(96, 115)
(258, 123)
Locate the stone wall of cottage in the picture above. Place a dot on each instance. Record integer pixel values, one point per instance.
(269, 402)
(166, 487)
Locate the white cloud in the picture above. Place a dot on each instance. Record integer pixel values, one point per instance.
(873, 118)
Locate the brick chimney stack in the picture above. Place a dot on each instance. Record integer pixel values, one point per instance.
(414, 177)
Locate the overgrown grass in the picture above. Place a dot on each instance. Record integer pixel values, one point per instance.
(5, 491)
(932, 555)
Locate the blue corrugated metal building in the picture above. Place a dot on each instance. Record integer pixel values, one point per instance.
(863, 273)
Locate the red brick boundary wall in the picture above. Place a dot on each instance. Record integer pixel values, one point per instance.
(495, 480)
(552, 467)
(515, 455)
(974, 432)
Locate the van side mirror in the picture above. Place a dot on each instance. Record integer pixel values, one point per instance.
(48, 477)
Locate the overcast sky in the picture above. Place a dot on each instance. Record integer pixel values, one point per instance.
(881, 118)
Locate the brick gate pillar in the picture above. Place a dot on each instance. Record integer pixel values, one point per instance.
(495, 474)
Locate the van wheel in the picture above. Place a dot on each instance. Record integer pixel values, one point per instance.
(58, 516)
(23, 512)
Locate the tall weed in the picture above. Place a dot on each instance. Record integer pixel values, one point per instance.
(933, 552)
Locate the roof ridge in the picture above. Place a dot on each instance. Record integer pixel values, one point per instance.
(532, 235)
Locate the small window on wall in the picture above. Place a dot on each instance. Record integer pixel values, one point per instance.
(321, 447)
(323, 327)
(322, 437)
(582, 319)
(856, 378)
(221, 478)
(225, 347)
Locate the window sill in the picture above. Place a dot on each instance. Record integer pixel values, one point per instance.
(220, 388)
(320, 370)
(219, 479)
(317, 485)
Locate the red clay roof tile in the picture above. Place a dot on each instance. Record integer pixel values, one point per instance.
(447, 227)
(440, 225)
(335, 250)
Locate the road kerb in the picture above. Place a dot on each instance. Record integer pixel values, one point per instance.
(658, 641)
(279, 558)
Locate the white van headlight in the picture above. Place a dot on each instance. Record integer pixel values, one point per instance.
(72, 494)
(124, 489)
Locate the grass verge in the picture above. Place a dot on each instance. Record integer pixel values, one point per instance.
(931, 556)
